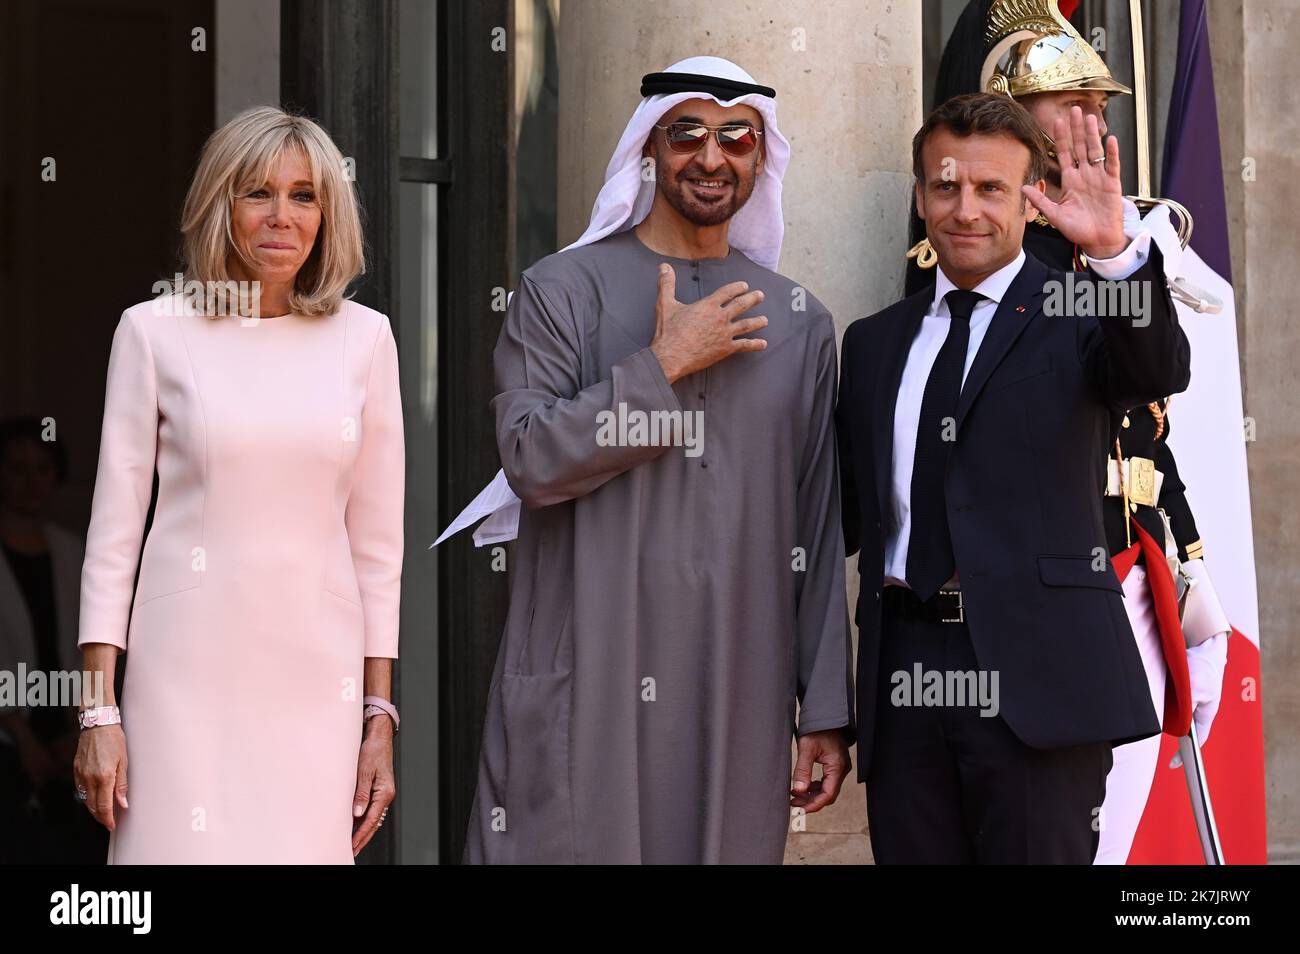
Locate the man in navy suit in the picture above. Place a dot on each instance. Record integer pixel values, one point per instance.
(996, 667)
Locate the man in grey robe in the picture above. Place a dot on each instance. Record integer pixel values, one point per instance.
(678, 587)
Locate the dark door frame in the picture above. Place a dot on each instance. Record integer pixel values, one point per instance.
(475, 247)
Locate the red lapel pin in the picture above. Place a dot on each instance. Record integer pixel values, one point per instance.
(1020, 308)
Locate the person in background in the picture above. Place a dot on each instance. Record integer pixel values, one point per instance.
(40, 567)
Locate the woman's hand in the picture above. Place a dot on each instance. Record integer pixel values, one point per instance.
(376, 784)
(100, 769)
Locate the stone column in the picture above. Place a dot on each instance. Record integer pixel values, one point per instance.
(1271, 349)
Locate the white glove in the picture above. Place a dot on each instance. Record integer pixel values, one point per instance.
(1162, 232)
(1203, 614)
(1205, 664)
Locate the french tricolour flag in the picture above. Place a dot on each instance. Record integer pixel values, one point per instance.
(1208, 437)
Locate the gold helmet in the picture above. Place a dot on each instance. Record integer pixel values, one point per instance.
(1033, 49)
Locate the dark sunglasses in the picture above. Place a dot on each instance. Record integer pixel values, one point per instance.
(735, 139)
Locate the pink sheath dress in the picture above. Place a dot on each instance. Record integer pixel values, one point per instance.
(271, 571)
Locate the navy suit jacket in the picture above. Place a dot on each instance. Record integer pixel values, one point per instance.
(1024, 487)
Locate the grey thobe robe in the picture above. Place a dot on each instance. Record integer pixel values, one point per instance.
(662, 619)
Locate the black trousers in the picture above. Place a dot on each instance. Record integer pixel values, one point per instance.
(948, 785)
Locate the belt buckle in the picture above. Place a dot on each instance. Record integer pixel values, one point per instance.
(1137, 475)
(1142, 481)
(961, 607)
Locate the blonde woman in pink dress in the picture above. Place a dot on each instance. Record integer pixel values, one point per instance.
(256, 725)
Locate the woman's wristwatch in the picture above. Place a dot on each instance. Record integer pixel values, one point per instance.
(100, 715)
(377, 705)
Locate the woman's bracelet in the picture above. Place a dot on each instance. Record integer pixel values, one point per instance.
(100, 715)
(377, 705)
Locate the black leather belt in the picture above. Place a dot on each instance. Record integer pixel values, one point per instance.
(944, 607)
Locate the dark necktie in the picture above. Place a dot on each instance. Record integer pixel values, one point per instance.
(930, 561)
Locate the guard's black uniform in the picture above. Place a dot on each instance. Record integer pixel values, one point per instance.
(1144, 434)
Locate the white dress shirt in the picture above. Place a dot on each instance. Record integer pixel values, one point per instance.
(920, 359)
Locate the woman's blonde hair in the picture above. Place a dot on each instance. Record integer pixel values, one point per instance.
(237, 159)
